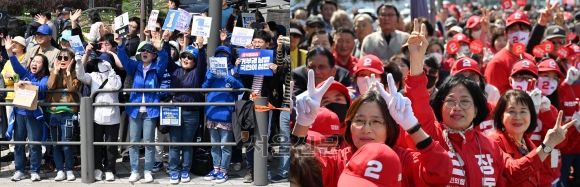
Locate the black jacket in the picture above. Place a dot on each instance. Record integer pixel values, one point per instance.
(243, 119)
(301, 78)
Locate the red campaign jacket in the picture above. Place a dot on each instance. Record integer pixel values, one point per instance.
(510, 148)
(567, 96)
(499, 68)
(546, 121)
(487, 125)
(419, 168)
(350, 66)
(479, 153)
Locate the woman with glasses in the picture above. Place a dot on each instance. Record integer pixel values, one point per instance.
(189, 75)
(29, 124)
(458, 108)
(143, 120)
(63, 76)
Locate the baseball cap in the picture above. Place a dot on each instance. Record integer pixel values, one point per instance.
(338, 87)
(460, 37)
(314, 19)
(465, 64)
(175, 44)
(66, 10)
(371, 63)
(554, 31)
(149, 48)
(378, 156)
(326, 125)
(457, 29)
(295, 31)
(517, 17)
(191, 50)
(573, 51)
(66, 35)
(549, 64)
(525, 65)
(44, 29)
(472, 21)
(20, 40)
(451, 21)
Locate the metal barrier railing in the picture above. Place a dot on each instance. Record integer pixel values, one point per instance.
(86, 126)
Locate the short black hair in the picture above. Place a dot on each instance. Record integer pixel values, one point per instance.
(109, 37)
(345, 30)
(431, 61)
(320, 50)
(389, 5)
(261, 34)
(136, 20)
(520, 97)
(300, 8)
(33, 12)
(318, 32)
(479, 100)
(59, 7)
(395, 71)
(177, 3)
(47, 14)
(328, 2)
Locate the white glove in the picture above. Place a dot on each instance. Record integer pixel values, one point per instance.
(576, 117)
(536, 95)
(370, 82)
(572, 75)
(546, 103)
(401, 111)
(399, 106)
(308, 103)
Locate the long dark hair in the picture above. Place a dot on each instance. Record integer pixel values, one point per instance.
(475, 91)
(306, 168)
(520, 97)
(44, 71)
(391, 124)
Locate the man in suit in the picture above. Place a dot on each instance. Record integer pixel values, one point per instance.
(322, 62)
(388, 37)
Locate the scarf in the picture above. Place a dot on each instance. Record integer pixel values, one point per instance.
(448, 130)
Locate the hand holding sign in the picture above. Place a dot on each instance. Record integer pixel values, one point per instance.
(476, 46)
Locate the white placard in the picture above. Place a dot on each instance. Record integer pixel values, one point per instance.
(201, 26)
(77, 45)
(121, 21)
(248, 18)
(153, 20)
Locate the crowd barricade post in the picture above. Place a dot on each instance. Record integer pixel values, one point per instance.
(261, 145)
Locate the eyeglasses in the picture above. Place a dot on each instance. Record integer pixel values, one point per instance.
(560, 41)
(189, 57)
(387, 15)
(463, 104)
(316, 26)
(41, 35)
(432, 72)
(62, 57)
(374, 123)
(157, 29)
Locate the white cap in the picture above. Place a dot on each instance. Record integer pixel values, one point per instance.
(456, 29)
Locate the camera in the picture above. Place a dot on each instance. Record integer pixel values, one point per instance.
(96, 46)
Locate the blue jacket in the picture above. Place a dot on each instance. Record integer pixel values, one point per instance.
(194, 79)
(152, 79)
(221, 113)
(41, 83)
(166, 83)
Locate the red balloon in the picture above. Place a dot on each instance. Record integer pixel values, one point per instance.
(519, 48)
(476, 46)
(453, 47)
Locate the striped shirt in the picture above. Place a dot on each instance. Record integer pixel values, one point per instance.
(284, 63)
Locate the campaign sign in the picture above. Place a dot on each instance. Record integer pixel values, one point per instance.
(201, 26)
(255, 62)
(152, 20)
(219, 66)
(171, 20)
(242, 36)
(121, 24)
(183, 20)
(77, 45)
(248, 18)
(171, 115)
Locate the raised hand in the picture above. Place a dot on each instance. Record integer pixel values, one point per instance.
(545, 104)
(388, 96)
(371, 86)
(308, 103)
(546, 14)
(8, 45)
(559, 19)
(485, 17)
(187, 32)
(572, 75)
(280, 42)
(399, 106)
(89, 48)
(223, 35)
(40, 18)
(557, 134)
(167, 34)
(417, 41)
(156, 40)
(74, 17)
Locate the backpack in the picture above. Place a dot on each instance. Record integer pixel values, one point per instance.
(202, 161)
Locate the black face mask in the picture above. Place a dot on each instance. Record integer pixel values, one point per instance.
(338, 109)
(431, 81)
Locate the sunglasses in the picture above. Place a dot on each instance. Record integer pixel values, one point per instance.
(157, 29)
(432, 72)
(189, 57)
(62, 58)
(558, 41)
(148, 50)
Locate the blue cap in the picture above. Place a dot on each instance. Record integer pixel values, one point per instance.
(104, 57)
(44, 29)
(192, 50)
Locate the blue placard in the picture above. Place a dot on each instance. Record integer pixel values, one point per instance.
(219, 66)
(255, 62)
(171, 20)
(171, 115)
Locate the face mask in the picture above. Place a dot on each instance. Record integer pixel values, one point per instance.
(463, 48)
(431, 81)
(519, 37)
(500, 26)
(438, 56)
(338, 109)
(361, 83)
(547, 85)
(521, 85)
(475, 34)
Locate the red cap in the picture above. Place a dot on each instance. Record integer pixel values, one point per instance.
(325, 125)
(464, 64)
(374, 164)
(517, 17)
(573, 51)
(472, 21)
(550, 65)
(460, 37)
(339, 87)
(371, 63)
(525, 65)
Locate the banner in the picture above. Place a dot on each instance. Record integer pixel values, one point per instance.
(201, 26)
(121, 24)
(256, 62)
(183, 20)
(242, 36)
(248, 18)
(77, 45)
(152, 20)
(219, 66)
(171, 115)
